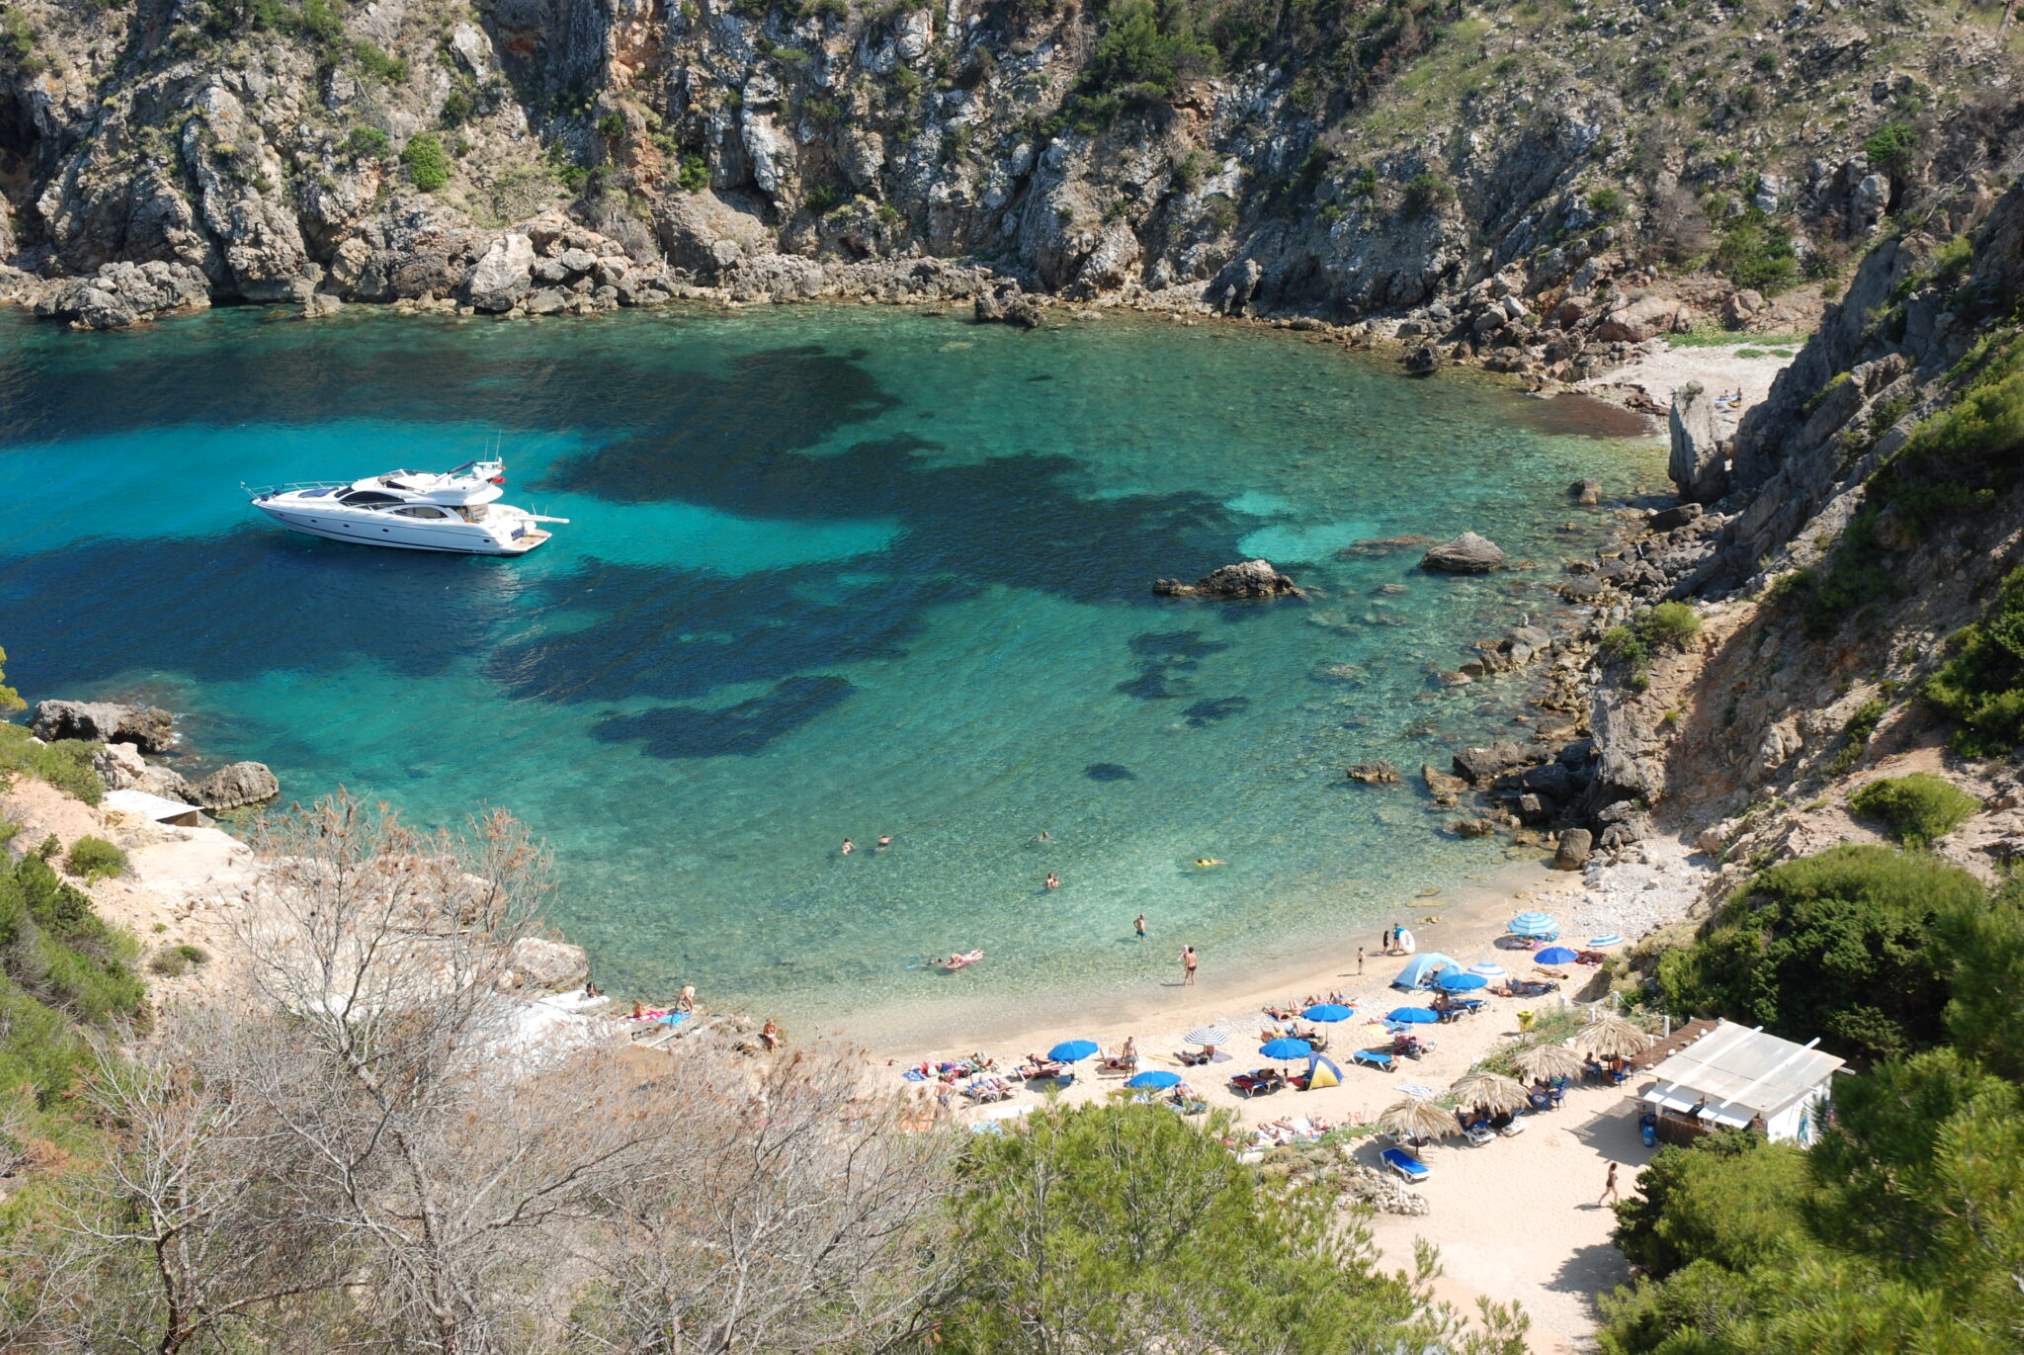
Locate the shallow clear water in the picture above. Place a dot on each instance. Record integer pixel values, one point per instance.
(831, 572)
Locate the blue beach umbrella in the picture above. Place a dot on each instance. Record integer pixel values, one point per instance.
(1329, 1011)
(1286, 1047)
(1554, 955)
(1155, 1080)
(1072, 1051)
(1459, 981)
(1414, 1016)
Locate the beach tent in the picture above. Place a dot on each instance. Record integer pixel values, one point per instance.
(1421, 968)
(1322, 1073)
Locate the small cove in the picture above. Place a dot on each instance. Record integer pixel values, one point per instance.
(831, 572)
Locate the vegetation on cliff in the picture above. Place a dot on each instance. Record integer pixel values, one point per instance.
(1903, 1226)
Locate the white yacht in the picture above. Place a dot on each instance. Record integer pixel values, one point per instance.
(455, 510)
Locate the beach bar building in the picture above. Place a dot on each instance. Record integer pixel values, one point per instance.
(1719, 1075)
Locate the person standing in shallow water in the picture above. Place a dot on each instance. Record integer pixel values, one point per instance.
(1187, 966)
(1139, 925)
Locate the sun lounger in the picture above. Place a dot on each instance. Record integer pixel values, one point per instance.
(1480, 1133)
(1375, 1058)
(1408, 1168)
(1512, 1130)
(1261, 1083)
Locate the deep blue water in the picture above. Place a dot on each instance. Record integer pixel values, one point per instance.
(831, 572)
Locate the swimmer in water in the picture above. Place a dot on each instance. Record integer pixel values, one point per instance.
(1204, 862)
(885, 840)
(1053, 880)
(1043, 837)
(848, 846)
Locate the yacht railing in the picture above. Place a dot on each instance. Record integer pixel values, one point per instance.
(291, 487)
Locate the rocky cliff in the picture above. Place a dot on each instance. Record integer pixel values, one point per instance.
(1536, 180)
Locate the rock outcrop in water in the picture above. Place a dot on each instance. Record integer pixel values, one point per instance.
(237, 785)
(1465, 554)
(149, 728)
(1250, 581)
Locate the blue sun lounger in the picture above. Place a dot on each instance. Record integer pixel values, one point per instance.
(1409, 1168)
(1376, 1058)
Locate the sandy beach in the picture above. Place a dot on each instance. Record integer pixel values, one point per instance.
(1515, 1219)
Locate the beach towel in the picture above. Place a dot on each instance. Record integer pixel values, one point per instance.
(914, 1075)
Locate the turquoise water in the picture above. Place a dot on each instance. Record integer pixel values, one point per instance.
(831, 572)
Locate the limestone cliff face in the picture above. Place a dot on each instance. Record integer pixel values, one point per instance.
(1349, 160)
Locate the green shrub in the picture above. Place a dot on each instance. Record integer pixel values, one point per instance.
(1766, 62)
(1855, 735)
(378, 64)
(1427, 193)
(368, 143)
(1756, 252)
(1670, 625)
(1144, 51)
(93, 858)
(694, 174)
(1834, 945)
(1981, 686)
(1890, 146)
(64, 764)
(428, 164)
(1606, 202)
(55, 949)
(172, 962)
(611, 126)
(1920, 808)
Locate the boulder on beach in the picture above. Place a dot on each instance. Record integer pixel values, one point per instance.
(149, 728)
(1465, 554)
(1252, 580)
(1573, 850)
(1697, 465)
(536, 962)
(237, 785)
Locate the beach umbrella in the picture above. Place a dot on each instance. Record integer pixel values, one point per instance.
(1071, 1051)
(1459, 981)
(1215, 1036)
(1548, 1060)
(1424, 1016)
(1605, 942)
(1612, 1037)
(1414, 1118)
(1492, 1092)
(1554, 955)
(1534, 924)
(1286, 1047)
(1154, 1080)
(1489, 970)
(1328, 1011)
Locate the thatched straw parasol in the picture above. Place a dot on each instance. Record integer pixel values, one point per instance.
(1492, 1092)
(1612, 1037)
(1413, 1118)
(1548, 1060)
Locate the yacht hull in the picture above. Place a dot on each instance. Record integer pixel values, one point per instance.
(446, 539)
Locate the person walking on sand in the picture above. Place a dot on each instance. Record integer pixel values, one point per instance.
(1387, 940)
(1359, 959)
(1187, 966)
(1609, 1188)
(1139, 925)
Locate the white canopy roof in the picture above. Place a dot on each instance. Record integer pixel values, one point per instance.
(1740, 1073)
(146, 805)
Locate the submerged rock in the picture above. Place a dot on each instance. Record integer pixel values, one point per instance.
(149, 728)
(1251, 580)
(1423, 360)
(1465, 554)
(1379, 773)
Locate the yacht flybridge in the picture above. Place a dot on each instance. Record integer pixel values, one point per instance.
(455, 510)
